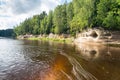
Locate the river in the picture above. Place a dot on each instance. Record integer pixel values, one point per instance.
(40, 60)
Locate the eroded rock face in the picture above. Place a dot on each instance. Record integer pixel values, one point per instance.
(94, 33)
(98, 35)
(115, 35)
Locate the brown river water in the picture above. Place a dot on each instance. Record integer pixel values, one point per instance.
(40, 60)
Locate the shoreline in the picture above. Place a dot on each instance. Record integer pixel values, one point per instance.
(65, 38)
(54, 37)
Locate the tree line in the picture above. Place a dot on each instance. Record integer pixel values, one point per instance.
(73, 17)
(7, 33)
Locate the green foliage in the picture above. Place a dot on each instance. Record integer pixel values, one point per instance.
(31, 25)
(70, 16)
(60, 19)
(43, 26)
(49, 26)
(73, 17)
(108, 14)
(83, 14)
(7, 33)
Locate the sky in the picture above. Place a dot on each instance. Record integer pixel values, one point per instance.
(12, 12)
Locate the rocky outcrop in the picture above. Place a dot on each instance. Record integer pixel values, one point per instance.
(51, 36)
(98, 36)
(24, 36)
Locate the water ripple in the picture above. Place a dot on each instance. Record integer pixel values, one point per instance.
(78, 71)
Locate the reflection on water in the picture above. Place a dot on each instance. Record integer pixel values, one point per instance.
(78, 71)
(59, 69)
(39, 60)
(99, 52)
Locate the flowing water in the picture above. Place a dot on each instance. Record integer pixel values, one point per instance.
(40, 60)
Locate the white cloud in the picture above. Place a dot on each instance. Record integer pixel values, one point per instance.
(12, 12)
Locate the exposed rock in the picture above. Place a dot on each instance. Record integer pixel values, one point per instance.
(98, 35)
(40, 36)
(51, 35)
(25, 36)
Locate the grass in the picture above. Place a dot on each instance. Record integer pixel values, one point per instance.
(114, 45)
(62, 40)
(34, 38)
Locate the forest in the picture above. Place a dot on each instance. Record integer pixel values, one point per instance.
(7, 33)
(71, 18)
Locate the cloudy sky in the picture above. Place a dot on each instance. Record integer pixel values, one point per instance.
(12, 12)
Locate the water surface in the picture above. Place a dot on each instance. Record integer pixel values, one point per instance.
(40, 60)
